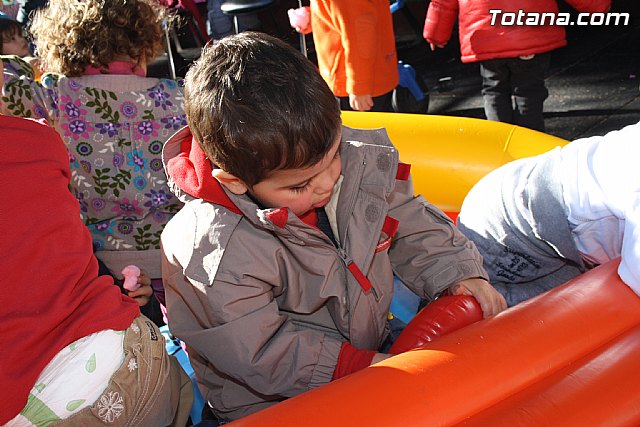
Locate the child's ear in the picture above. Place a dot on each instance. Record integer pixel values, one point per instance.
(231, 182)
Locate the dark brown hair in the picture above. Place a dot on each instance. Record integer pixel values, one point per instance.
(256, 105)
(8, 29)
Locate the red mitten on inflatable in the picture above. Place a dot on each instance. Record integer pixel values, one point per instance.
(442, 316)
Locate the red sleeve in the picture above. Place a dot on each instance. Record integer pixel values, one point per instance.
(441, 17)
(351, 359)
(591, 6)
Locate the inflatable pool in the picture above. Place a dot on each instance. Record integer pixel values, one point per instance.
(450, 154)
(569, 357)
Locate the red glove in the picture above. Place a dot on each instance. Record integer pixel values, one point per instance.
(446, 314)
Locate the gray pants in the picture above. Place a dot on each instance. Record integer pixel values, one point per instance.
(515, 215)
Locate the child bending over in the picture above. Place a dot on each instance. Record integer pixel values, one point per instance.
(76, 351)
(543, 220)
(279, 268)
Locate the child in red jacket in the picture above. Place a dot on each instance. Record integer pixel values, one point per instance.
(512, 41)
(76, 351)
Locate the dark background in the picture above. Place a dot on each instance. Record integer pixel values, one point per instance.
(593, 82)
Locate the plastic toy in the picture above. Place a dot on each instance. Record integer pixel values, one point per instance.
(131, 274)
(299, 18)
(441, 317)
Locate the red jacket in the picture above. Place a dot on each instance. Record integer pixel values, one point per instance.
(355, 44)
(479, 40)
(50, 291)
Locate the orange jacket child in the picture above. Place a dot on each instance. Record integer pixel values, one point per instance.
(355, 45)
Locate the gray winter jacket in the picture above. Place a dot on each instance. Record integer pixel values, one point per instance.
(264, 308)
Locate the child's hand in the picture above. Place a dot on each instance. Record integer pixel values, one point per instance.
(131, 274)
(489, 299)
(35, 65)
(361, 102)
(141, 289)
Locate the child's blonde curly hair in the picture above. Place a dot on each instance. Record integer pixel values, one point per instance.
(72, 34)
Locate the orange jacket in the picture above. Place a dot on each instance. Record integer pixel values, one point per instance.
(355, 44)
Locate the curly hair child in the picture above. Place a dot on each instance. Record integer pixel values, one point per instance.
(113, 119)
(71, 35)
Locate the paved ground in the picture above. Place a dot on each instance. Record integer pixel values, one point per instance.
(593, 82)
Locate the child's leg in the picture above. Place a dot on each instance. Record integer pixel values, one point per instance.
(496, 90)
(220, 25)
(120, 378)
(383, 103)
(525, 243)
(515, 293)
(150, 388)
(530, 92)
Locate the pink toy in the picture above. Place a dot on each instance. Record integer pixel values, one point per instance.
(300, 19)
(131, 274)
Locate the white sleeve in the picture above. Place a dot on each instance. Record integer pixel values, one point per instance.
(629, 269)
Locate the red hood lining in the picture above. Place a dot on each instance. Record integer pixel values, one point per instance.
(191, 171)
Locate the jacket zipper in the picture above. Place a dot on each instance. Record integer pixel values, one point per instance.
(362, 280)
(353, 268)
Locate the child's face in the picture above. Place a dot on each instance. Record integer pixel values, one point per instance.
(15, 44)
(301, 189)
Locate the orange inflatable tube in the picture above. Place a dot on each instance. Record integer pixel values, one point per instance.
(569, 357)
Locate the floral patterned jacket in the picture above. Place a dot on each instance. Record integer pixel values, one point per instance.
(114, 127)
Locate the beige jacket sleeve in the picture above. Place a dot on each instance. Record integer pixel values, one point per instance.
(428, 252)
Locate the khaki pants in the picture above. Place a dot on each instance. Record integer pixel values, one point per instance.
(149, 389)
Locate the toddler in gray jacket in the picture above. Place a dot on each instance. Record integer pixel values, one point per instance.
(279, 268)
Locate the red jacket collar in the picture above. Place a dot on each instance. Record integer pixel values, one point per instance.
(191, 171)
